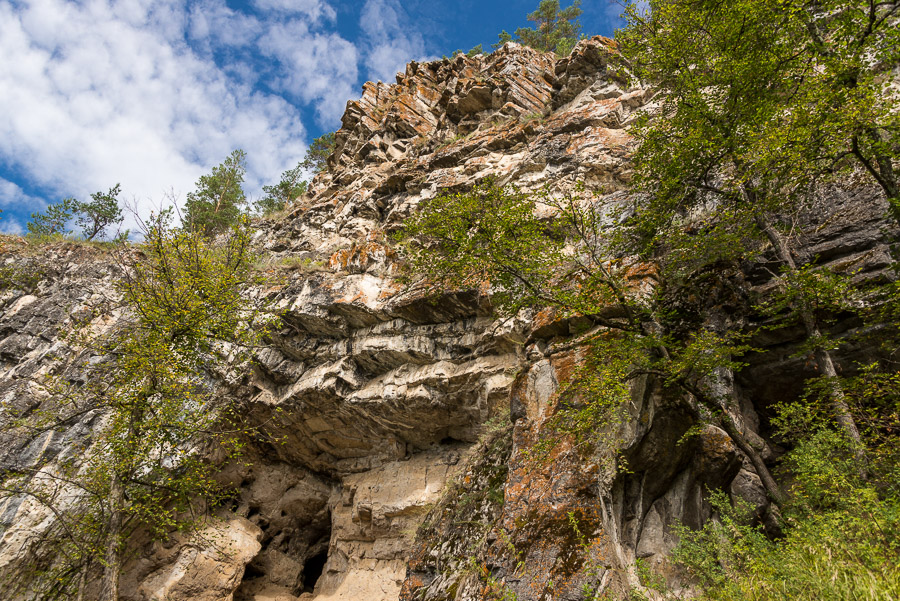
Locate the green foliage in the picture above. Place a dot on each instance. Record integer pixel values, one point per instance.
(561, 251)
(591, 405)
(842, 523)
(218, 201)
(92, 217)
(752, 128)
(812, 293)
(841, 535)
(24, 278)
(292, 184)
(100, 213)
(765, 96)
(874, 394)
(556, 30)
(477, 238)
(648, 577)
(503, 37)
(475, 51)
(316, 159)
(189, 289)
(719, 551)
(277, 197)
(145, 466)
(53, 221)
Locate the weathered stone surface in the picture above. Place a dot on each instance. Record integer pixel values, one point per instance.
(375, 517)
(373, 395)
(207, 567)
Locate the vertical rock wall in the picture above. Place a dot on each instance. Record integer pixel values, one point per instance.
(403, 422)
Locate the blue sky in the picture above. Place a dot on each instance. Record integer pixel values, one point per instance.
(153, 93)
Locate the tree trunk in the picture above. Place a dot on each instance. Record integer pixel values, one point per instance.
(762, 470)
(722, 395)
(82, 581)
(824, 361)
(109, 589)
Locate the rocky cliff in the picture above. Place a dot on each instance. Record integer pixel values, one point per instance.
(402, 420)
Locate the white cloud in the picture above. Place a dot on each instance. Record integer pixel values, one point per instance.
(316, 67)
(153, 93)
(12, 197)
(315, 9)
(96, 93)
(213, 23)
(393, 42)
(11, 226)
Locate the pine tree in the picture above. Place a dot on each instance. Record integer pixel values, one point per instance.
(101, 212)
(218, 201)
(54, 219)
(556, 30)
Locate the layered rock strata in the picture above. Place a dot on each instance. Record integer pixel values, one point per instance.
(379, 395)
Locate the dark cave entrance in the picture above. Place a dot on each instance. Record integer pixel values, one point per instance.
(293, 554)
(313, 569)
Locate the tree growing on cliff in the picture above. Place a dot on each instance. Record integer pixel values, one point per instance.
(316, 159)
(100, 213)
(574, 261)
(53, 220)
(218, 201)
(791, 93)
(762, 105)
(763, 102)
(556, 29)
(292, 185)
(148, 386)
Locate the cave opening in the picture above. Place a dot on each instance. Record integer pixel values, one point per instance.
(313, 569)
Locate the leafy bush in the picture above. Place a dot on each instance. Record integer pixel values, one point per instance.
(146, 466)
(841, 527)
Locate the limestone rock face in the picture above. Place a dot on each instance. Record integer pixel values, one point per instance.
(208, 566)
(404, 423)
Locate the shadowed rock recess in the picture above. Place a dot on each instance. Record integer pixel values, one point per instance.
(397, 473)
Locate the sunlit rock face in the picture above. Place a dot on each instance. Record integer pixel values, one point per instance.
(399, 424)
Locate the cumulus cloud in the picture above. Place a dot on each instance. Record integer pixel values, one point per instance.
(315, 9)
(318, 68)
(13, 197)
(392, 41)
(152, 93)
(213, 24)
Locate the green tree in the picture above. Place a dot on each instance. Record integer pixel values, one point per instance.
(53, 221)
(795, 91)
(145, 467)
(101, 212)
(837, 523)
(316, 159)
(292, 184)
(502, 38)
(218, 201)
(289, 188)
(763, 102)
(556, 30)
(572, 262)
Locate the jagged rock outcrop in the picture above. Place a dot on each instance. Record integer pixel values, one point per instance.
(379, 395)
